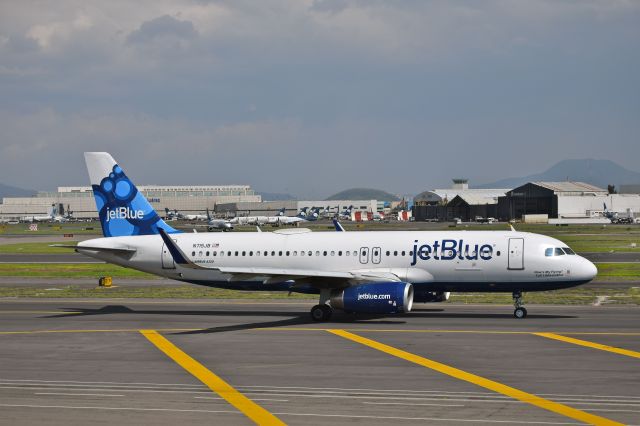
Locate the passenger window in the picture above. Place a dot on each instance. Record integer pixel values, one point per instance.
(207, 254)
(347, 253)
(257, 253)
(221, 254)
(301, 253)
(340, 253)
(295, 253)
(266, 253)
(288, 252)
(236, 253)
(558, 251)
(395, 253)
(229, 253)
(355, 253)
(250, 253)
(193, 253)
(324, 253)
(333, 253)
(273, 253)
(317, 253)
(310, 253)
(200, 253)
(279, 253)
(411, 253)
(498, 253)
(403, 252)
(388, 253)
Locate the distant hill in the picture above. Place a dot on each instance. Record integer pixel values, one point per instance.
(272, 196)
(596, 172)
(363, 194)
(12, 191)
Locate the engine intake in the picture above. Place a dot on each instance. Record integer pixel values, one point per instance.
(376, 298)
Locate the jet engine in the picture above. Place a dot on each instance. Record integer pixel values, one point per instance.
(375, 298)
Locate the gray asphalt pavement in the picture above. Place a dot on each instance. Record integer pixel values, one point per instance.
(78, 362)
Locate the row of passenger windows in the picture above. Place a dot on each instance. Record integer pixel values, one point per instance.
(558, 251)
(302, 253)
(293, 253)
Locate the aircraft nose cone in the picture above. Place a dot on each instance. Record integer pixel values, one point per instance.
(588, 270)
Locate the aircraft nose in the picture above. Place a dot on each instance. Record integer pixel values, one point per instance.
(588, 270)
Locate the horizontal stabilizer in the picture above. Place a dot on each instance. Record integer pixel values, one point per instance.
(117, 250)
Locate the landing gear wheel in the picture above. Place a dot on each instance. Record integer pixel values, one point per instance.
(321, 313)
(520, 312)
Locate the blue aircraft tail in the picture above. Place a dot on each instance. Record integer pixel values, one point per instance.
(122, 209)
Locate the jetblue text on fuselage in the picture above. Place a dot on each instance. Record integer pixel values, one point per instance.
(124, 213)
(450, 250)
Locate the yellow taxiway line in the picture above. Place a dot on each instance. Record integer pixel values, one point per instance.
(249, 408)
(479, 381)
(589, 344)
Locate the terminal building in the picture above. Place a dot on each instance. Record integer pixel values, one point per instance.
(79, 200)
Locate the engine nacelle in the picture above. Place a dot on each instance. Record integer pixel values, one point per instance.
(377, 298)
(423, 296)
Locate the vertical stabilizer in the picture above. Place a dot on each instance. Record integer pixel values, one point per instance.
(122, 209)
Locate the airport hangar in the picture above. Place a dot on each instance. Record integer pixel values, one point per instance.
(551, 200)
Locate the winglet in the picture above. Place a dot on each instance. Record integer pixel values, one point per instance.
(338, 225)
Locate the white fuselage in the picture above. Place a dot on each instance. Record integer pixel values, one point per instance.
(469, 260)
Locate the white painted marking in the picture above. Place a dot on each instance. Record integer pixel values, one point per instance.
(283, 414)
(253, 399)
(414, 404)
(75, 394)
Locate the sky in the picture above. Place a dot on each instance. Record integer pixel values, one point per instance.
(310, 97)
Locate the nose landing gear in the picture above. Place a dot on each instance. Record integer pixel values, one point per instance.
(520, 311)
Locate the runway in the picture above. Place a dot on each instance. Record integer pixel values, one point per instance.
(76, 361)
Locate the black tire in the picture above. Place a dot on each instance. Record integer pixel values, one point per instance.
(318, 313)
(520, 313)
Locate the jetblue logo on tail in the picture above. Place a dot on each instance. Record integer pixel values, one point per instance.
(123, 213)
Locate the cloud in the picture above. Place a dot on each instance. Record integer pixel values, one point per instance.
(161, 28)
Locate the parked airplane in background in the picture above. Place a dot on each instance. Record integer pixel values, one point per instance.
(378, 272)
(175, 214)
(221, 224)
(346, 213)
(49, 217)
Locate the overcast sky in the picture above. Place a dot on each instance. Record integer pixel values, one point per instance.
(312, 97)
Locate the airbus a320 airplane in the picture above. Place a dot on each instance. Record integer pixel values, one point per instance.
(368, 272)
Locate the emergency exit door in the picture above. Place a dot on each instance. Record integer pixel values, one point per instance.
(516, 253)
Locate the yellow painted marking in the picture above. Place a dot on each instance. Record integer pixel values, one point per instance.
(590, 344)
(249, 408)
(480, 381)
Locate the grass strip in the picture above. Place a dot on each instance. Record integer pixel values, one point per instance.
(69, 270)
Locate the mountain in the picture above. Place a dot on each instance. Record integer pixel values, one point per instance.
(596, 172)
(363, 194)
(272, 196)
(12, 191)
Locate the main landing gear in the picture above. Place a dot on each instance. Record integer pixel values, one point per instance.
(322, 312)
(520, 311)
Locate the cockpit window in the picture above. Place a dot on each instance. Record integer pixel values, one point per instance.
(568, 250)
(555, 251)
